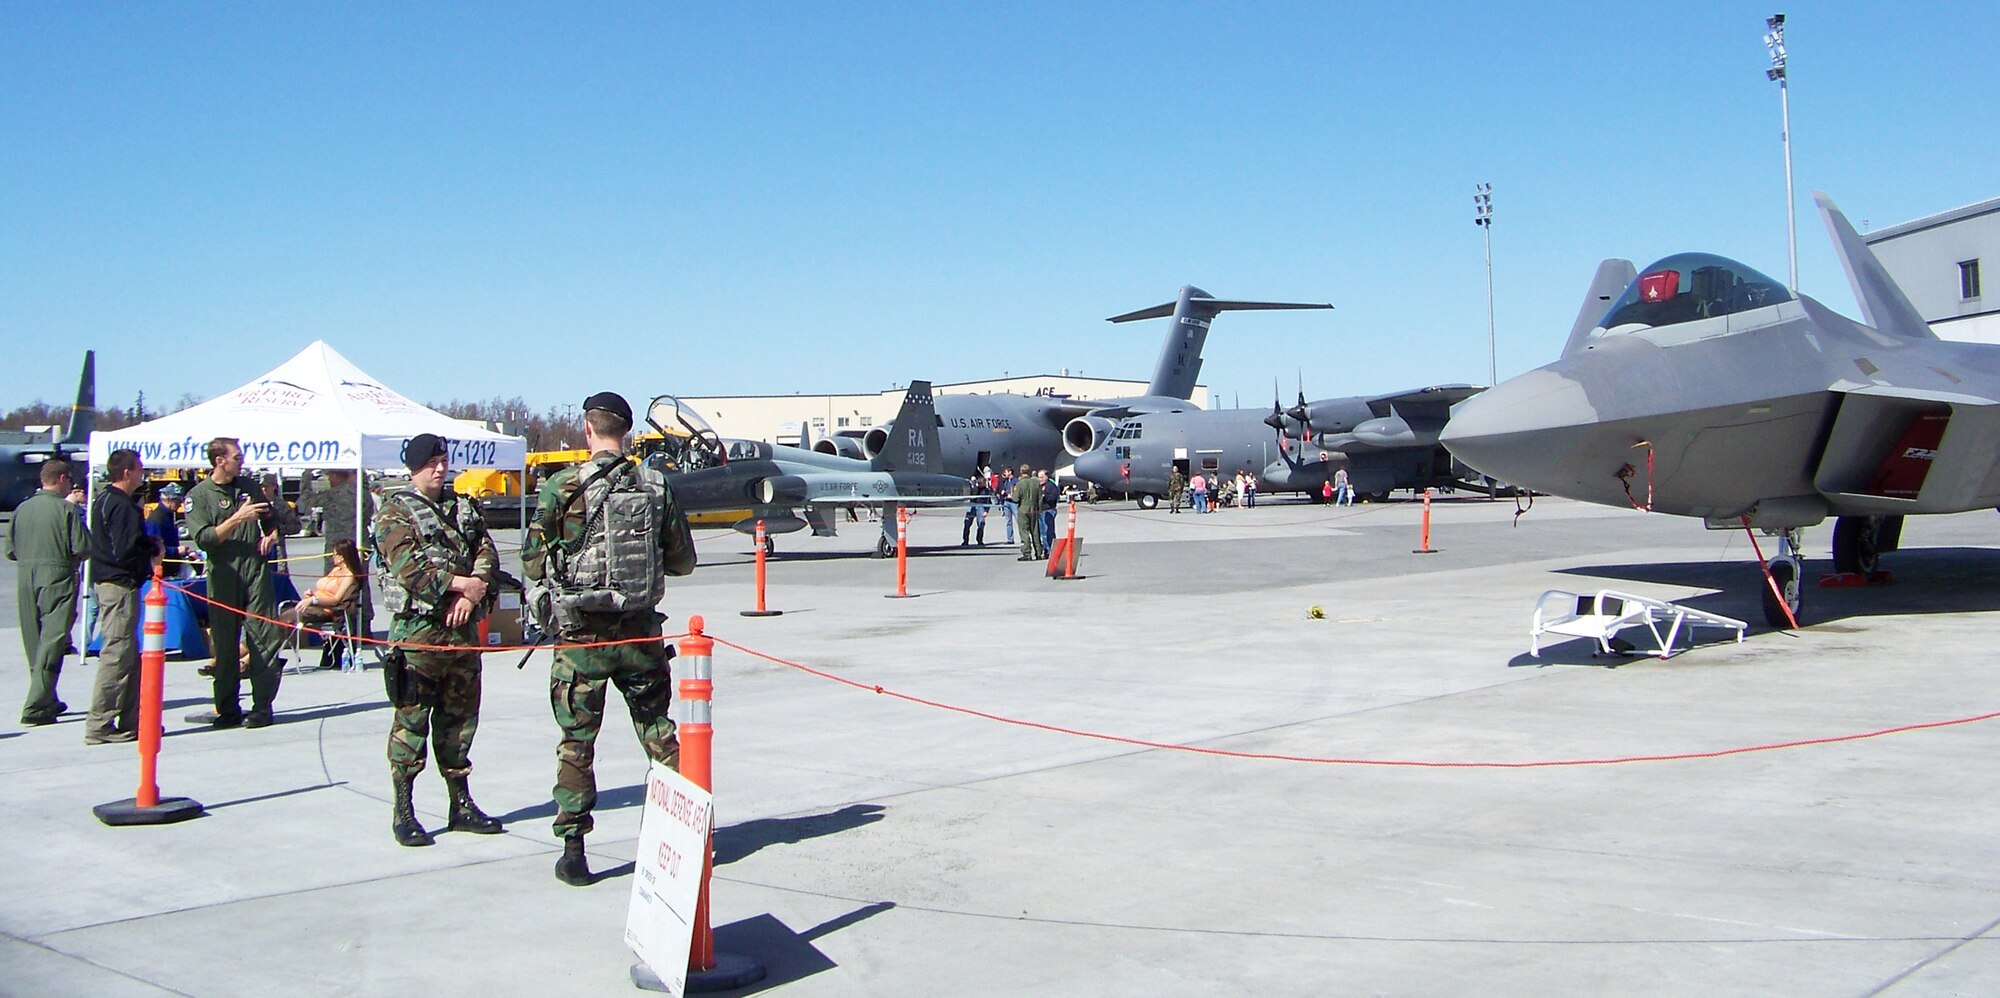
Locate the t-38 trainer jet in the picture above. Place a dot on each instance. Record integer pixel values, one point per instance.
(978, 431)
(1708, 389)
(774, 484)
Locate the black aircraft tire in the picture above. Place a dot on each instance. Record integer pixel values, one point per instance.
(1786, 577)
(770, 545)
(1857, 544)
(1148, 500)
(883, 548)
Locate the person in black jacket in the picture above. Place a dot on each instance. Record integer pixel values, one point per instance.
(121, 557)
(1051, 498)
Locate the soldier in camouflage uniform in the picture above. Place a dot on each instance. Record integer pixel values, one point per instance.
(437, 563)
(605, 596)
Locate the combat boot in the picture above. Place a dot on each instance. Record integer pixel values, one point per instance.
(573, 868)
(465, 815)
(408, 831)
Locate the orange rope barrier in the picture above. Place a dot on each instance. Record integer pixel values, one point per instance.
(420, 646)
(1339, 761)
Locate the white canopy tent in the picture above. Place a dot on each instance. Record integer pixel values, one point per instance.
(314, 411)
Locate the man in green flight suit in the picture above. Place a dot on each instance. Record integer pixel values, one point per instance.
(606, 534)
(438, 562)
(48, 538)
(1028, 513)
(231, 523)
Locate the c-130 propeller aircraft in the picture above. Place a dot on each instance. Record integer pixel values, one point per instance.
(1385, 442)
(22, 454)
(1708, 389)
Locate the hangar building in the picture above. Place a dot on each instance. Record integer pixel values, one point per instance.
(1937, 261)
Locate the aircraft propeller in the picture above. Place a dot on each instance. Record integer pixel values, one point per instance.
(1303, 415)
(1276, 420)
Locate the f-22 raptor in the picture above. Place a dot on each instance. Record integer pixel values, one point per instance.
(775, 483)
(980, 431)
(22, 454)
(1708, 389)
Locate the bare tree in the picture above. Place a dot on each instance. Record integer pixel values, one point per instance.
(550, 430)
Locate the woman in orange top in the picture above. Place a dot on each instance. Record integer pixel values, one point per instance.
(338, 586)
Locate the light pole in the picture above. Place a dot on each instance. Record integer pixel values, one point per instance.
(1482, 207)
(1774, 39)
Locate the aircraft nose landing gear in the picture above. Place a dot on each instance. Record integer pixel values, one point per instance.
(1781, 592)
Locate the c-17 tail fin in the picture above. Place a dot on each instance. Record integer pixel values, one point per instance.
(913, 442)
(1613, 276)
(83, 416)
(1180, 359)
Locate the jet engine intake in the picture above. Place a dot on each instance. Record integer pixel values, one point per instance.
(839, 447)
(781, 489)
(1085, 434)
(875, 439)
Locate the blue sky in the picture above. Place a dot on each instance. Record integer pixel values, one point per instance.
(546, 200)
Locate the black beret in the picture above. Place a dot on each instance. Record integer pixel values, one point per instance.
(610, 402)
(421, 448)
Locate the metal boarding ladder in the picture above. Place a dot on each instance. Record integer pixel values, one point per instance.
(1603, 616)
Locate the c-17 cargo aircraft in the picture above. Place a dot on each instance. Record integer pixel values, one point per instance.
(980, 431)
(1708, 389)
(1385, 442)
(22, 454)
(775, 483)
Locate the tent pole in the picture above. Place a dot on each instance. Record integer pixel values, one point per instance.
(89, 590)
(360, 490)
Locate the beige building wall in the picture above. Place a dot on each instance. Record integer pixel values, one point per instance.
(772, 417)
(1948, 264)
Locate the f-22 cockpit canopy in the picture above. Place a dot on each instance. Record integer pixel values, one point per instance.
(1689, 286)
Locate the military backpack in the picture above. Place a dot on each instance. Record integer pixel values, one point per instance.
(613, 565)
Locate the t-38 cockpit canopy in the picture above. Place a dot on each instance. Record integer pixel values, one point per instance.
(1689, 286)
(686, 441)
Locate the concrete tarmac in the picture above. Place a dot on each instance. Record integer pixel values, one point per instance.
(872, 845)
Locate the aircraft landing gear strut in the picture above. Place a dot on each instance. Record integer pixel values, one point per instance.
(1785, 568)
(1858, 542)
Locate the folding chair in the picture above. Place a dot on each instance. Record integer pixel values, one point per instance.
(333, 625)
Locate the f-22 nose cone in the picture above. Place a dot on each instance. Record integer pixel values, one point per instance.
(1525, 431)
